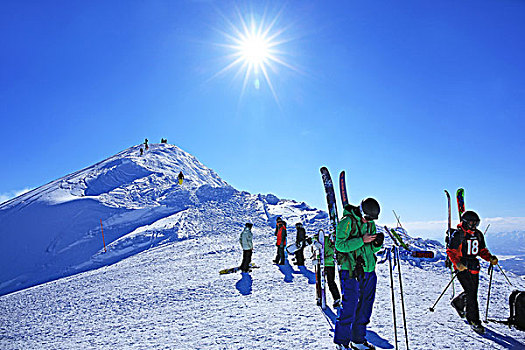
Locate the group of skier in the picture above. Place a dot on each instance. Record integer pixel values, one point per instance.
(356, 243)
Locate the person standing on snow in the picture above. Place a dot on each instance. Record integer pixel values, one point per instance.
(247, 247)
(329, 269)
(466, 244)
(146, 144)
(356, 242)
(181, 178)
(280, 232)
(299, 241)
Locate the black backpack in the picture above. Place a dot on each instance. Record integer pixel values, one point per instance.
(517, 309)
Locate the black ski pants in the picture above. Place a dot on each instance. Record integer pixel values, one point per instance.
(299, 257)
(280, 258)
(329, 272)
(246, 260)
(468, 300)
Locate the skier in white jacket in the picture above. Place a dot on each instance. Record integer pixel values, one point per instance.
(247, 246)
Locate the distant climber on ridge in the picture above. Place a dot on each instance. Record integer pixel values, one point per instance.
(181, 178)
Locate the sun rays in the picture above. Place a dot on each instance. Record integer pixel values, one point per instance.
(256, 50)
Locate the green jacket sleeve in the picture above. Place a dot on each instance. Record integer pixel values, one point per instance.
(374, 231)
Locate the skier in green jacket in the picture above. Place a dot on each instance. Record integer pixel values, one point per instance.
(329, 269)
(357, 241)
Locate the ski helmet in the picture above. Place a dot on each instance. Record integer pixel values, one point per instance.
(470, 220)
(369, 209)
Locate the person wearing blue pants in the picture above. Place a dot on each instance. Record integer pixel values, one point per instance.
(356, 242)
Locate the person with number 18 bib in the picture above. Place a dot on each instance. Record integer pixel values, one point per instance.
(466, 244)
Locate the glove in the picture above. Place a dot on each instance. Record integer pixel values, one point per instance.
(493, 260)
(461, 267)
(380, 237)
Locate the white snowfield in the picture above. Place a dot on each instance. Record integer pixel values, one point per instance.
(158, 286)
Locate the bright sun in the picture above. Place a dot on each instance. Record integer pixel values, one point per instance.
(256, 48)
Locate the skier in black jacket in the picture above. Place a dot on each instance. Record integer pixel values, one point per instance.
(466, 244)
(299, 240)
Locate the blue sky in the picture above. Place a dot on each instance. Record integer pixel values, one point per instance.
(408, 97)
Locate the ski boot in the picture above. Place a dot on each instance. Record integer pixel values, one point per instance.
(461, 312)
(362, 346)
(337, 304)
(477, 327)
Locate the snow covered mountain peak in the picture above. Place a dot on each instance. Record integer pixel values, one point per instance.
(129, 179)
(131, 202)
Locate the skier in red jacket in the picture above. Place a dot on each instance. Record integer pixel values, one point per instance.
(280, 232)
(466, 244)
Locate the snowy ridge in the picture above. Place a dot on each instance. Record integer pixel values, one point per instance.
(54, 230)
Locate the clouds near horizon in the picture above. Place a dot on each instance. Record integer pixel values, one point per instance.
(12, 194)
(436, 229)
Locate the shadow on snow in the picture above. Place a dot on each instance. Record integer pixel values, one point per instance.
(307, 273)
(287, 271)
(244, 285)
(505, 341)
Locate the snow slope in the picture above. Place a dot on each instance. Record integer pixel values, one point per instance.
(54, 230)
(172, 297)
(158, 285)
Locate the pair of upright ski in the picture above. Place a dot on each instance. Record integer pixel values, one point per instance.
(460, 199)
(334, 220)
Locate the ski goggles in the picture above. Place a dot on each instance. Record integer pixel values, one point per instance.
(364, 215)
(472, 225)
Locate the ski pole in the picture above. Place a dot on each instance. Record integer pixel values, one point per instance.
(393, 301)
(447, 239)
(453, 287)
(402, 299)
(448, 285)
(504, 274)
(491, 269)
